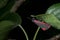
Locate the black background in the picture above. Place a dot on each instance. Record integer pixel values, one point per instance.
(28, 8)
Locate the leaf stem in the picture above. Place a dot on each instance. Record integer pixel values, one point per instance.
(24, 31)
(36, 33)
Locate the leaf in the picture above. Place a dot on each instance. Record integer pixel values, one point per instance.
(54, 9)
(14, 17)
(5, 27)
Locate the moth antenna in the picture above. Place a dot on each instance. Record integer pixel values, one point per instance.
(31, 19)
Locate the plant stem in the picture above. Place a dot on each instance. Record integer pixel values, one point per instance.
(16, 5)
(36, 33)
(24, 31)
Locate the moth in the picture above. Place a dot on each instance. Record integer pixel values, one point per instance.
(44, 26)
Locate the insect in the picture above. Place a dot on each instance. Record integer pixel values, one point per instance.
(44, 26)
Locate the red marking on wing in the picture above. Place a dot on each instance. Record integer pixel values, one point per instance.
(44, 29)
(47, 26)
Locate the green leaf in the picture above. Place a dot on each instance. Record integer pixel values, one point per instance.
(5, 27)
(14, 17)
(54, 9)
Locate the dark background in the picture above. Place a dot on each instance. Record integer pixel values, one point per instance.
(28, 8)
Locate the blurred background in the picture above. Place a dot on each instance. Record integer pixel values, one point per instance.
(33, 7)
